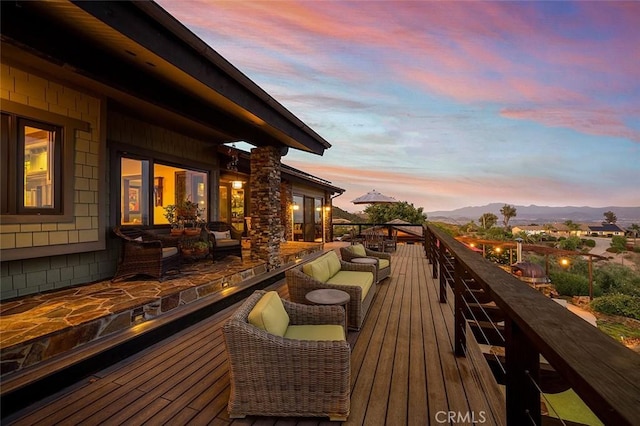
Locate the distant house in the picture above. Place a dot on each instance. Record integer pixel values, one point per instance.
(605, 230)
(529, 229)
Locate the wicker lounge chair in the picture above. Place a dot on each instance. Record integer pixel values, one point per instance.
(224, 245)
(143, 255)
(383, 269)
(272, 375)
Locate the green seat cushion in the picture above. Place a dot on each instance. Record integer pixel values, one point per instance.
(269, 314)
(315, 332)
(358, 250)
(383, 263)
(361, 279)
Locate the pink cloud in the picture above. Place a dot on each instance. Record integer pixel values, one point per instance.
(594, 122)
(434, 193)
(516, 55)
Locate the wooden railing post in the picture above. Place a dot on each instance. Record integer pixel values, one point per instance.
(460, 322)
(523, 367)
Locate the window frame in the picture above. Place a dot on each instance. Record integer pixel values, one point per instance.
(12, 180)
(58, 164)
(152, 159)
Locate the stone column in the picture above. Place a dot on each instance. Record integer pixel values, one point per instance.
(286, 206)
(266, 226)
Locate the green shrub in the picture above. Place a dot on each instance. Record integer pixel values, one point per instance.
(570, 243)
(618, 304)
(589, 243)
(568, 284)
(613, 279)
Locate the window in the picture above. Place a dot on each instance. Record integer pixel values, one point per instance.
(146, 188)
(32, 164)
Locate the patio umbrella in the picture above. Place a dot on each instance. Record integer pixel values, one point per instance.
(374, 197)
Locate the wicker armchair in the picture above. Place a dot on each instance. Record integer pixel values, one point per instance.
(221, 247)
(351, 252)
(276, 376)
(141, 255)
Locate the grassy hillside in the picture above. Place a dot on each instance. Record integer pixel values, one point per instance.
(338, 213)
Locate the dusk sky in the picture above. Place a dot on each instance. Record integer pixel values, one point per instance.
(448, 104)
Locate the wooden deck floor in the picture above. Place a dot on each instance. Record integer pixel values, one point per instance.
(403, 370)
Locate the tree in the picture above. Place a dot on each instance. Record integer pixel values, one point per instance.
(383, 213)
(619, 244)
(635, 230)
(487, 220)
(610, 217)
(572, 226)
(507, 212)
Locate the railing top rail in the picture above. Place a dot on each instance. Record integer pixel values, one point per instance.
(604, 373)
(376, 224)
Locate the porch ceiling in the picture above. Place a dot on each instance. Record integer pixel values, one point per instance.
(149, 63)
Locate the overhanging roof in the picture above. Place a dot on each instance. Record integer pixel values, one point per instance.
(146, 61)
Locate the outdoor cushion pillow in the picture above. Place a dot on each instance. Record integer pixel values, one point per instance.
(315, 332)
(227, 243)
(224, 235)
(383, 263)
(169, 251)
(358, 250)
(361, 279)
(333, 262)
(318, 269)
(269, 314)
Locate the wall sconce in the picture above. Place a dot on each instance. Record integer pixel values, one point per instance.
(296, 207)
(327, 208)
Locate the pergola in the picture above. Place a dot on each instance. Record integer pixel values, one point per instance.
(535, 248)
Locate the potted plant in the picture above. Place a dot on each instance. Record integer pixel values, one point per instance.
(201, 247)
(185, 216)
(170, 213)
(190, 214)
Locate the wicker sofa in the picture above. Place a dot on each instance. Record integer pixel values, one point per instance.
(224, 240)
(287, 359)
(144, 254)
(383, 260)
(328, 271)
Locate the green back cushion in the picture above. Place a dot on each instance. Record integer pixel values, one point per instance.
(358, 250)
(269, 314)
(324, 267)
(318, 269)
(333, 262)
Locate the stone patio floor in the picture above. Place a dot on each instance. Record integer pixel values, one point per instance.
(36, 327)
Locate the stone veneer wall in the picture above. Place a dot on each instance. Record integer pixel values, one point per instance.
(286, 206)
(27, 276)
(266, 226)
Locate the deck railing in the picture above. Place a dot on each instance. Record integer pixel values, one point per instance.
(361, 228)
(601, 371)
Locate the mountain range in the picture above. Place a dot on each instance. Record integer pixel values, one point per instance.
(539, 214)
